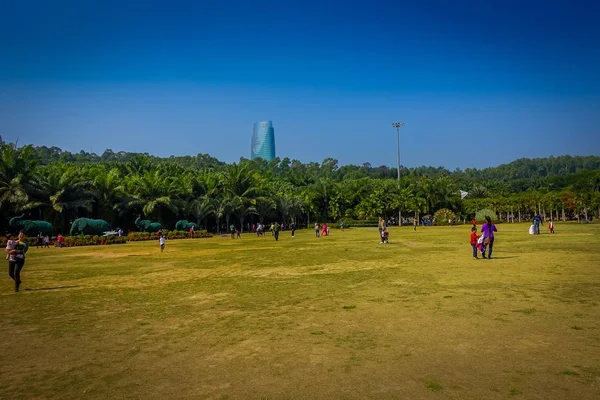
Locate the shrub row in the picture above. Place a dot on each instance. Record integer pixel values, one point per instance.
(89, 240)
(358, 223)
(170, 235)
(81, 240)
(92, 240)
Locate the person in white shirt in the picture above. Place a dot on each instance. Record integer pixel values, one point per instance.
(161, 241)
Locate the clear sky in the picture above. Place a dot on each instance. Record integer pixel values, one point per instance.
(477, 83)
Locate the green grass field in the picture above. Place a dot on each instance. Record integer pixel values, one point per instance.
(340, 317)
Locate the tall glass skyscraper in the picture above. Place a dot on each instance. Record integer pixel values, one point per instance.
(263, 141)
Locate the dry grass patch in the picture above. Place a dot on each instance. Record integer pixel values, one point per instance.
(335, 317)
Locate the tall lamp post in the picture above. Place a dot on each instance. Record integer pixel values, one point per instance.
(398, 125)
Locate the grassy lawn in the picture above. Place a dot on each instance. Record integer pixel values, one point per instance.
(339, 317)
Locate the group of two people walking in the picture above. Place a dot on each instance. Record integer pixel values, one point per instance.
(485, 241)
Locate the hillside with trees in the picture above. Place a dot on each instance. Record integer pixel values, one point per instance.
(58, 186)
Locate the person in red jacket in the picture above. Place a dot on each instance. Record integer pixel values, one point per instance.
(474, 237)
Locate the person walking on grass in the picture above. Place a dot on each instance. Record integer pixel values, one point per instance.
(15, 266)
(276, 228)
(415, 223)
(232, 230)
(474, 237)
(46, 242)
(317, 231)
(161, 242)
(536, 224)
(488, 230)
(293, 228)
(381, 227)
(59, 240)
(551, 226)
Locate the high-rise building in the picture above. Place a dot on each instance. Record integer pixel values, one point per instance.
(263, 141)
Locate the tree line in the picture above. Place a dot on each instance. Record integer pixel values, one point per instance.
(58, 186)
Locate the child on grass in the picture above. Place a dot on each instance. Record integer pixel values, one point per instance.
(161, 241)
(473, 242)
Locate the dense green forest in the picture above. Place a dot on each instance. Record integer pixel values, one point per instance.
(58, 186)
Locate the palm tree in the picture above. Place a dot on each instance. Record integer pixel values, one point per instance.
(17, 167)
(65, 192)
(264, 208)
(12, 194)
(108, 186)
(240, 184)
(285, 204)
(201, 208)
(154, 193)
(223, 206)
(478, 192)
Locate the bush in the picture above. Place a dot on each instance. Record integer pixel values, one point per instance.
(444, 217)
(359, 223)
(89, 240)
(481, 214)
(80, 240)
(170, 235)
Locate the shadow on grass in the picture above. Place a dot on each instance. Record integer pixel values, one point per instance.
(503, 258)
(52, 288)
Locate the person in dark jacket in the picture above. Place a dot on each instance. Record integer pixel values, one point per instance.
(16, 266)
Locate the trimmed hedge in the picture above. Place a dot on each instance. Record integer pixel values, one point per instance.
(73, 241)
(92, 240)
(359, 223)
(169, 235)
(89, 240)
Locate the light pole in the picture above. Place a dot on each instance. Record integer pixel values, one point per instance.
(398, 125)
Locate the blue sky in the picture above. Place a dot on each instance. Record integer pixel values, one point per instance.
(476, 83)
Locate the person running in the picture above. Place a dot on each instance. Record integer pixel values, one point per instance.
(342, 225)
(381, 227)
(488, 230)
(474, 237)
(161, 242)
(293, 228)
(16, 266)
(276, 228)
